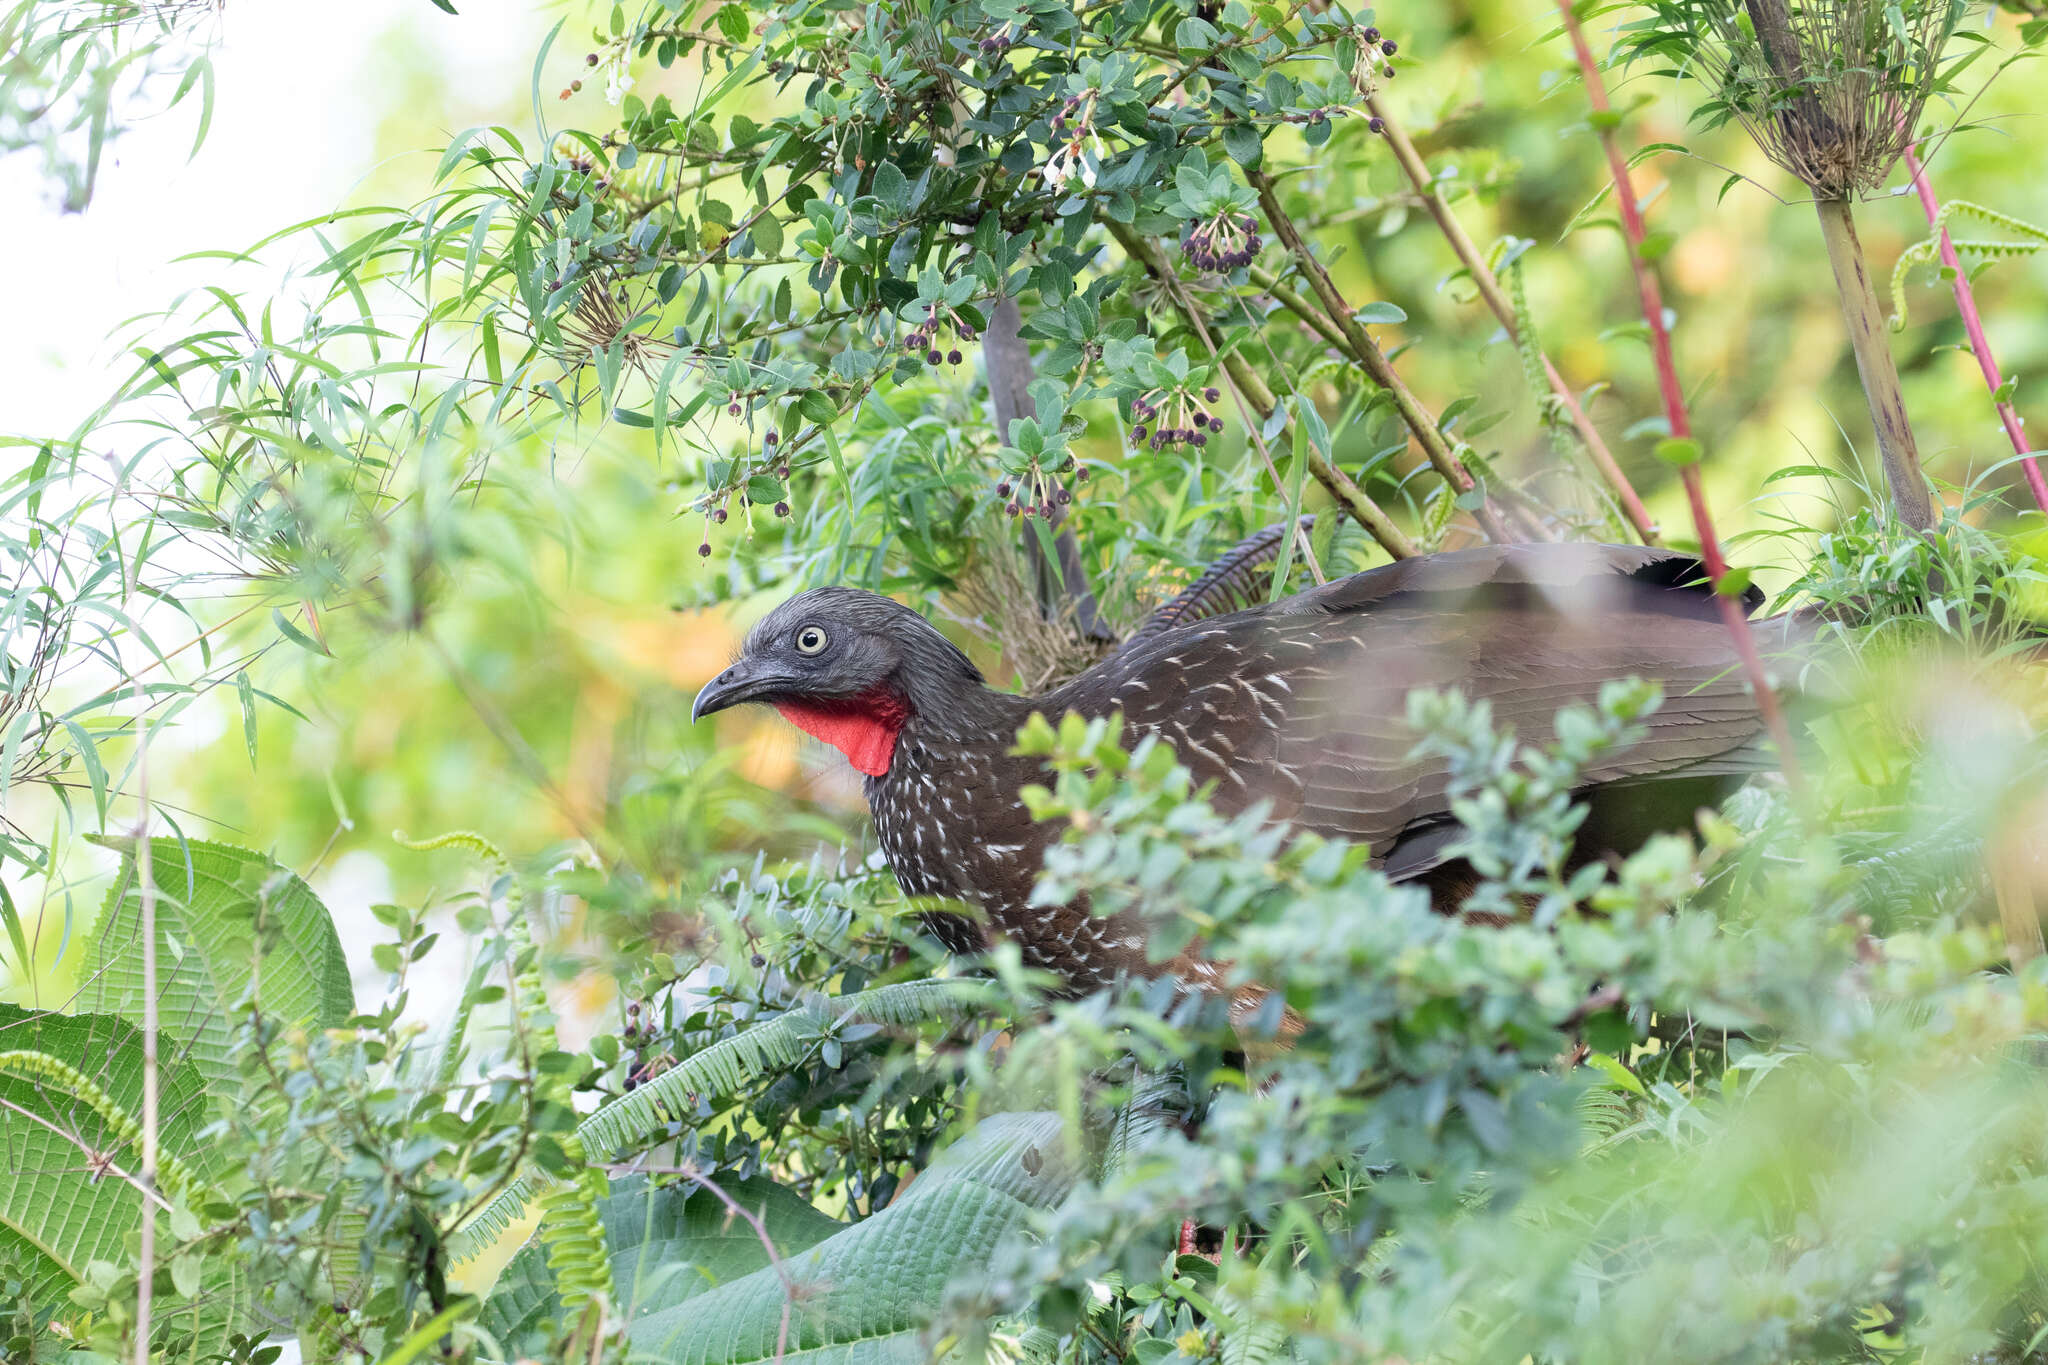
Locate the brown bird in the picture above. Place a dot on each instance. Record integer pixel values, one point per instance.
(1301, 703)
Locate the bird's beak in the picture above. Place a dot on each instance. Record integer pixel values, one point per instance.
(747, 680)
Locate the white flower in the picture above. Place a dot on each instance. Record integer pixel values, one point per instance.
(1060, 169)
(616, 81)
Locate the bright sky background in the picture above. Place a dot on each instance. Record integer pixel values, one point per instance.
(312, 100)
(289, 140)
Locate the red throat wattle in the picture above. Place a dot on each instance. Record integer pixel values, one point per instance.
(864, 728)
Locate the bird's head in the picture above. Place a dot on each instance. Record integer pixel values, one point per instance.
(847, 666)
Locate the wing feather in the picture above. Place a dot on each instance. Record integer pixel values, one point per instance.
(1304, 703)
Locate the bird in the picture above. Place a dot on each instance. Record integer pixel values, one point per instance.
(1300, 703)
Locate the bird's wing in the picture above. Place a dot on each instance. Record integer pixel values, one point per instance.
(1304, 705)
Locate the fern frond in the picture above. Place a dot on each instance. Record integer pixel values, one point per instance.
(723, 1068)
(43, 1069)
(1928, 250)
(572, 1231)
(456, 838)
(1153, 1108)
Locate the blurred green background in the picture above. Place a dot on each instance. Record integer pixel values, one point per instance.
(589, 652)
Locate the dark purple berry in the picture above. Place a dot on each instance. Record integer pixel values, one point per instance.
(953, 356)
(732, 410)
(704, 550)
(933, 357)
(1003, 490)
(1211, 394)
(720, 515)
(773, 439)
(1372, 35)
(1013, 509)
(1389, 48)
(1138, 432)
(782, 472)
(1378, 124)
(590, 59)
(781, 509)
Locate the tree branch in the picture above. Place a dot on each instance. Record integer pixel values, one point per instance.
(1468, 254)
(1362, 348)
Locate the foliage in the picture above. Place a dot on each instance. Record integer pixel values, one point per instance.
(696, 1068)
(75, 73)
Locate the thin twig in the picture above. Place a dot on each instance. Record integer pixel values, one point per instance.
(1674, 404)
(1247, 388)
(145, 877)
(1363, 349)
(752, 1220)
(1973, 324)
(1468, 254)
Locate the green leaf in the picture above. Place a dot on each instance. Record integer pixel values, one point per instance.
(892, 187)
(1678, 451)
(56, 1215)
(722, 1069)
(1243, 142)
(668, 1244)
(294, 634)
(865, 1294)
(245, 693)
(1381, 311)
(208, 898)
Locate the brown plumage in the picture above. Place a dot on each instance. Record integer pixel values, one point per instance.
(1301, 703)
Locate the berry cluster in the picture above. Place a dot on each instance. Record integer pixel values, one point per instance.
(1039, 494)
(997, 43)
(1176, 418)
(925, 340)
(1224, 242)
(639, 1036)
(718, 516)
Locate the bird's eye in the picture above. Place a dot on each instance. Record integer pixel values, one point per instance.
(810, 640)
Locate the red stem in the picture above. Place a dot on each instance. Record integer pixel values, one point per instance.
(1966, 304)
(1674, 402)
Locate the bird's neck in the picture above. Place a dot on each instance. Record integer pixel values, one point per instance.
(864, 728)
(867, 728)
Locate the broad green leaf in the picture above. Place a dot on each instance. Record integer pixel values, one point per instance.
(721, 1069)
(865, 1295)
(57, 1213)
(668, 1245)
(208, 897)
